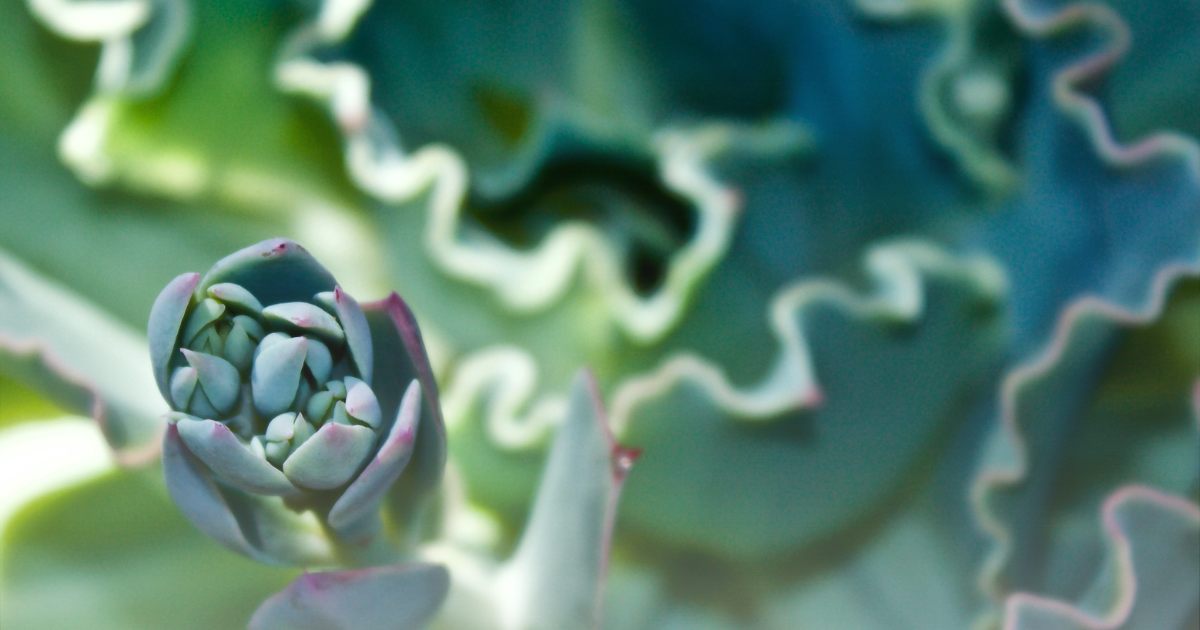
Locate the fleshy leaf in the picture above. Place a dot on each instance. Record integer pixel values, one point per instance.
(399, 358)
(306, 317)
(166, 318)
(257, 527)
(215, 445)
(401, 597)
(361, 499)
(362, 404)
(554, 579)
(358, 333)
(330, 457)
(237, 296)
(276, 270)
(218, 378)
(275, 376)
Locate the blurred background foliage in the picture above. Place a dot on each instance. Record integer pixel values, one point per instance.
(896, 296)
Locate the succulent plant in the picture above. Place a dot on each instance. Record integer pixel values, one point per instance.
(289, 397)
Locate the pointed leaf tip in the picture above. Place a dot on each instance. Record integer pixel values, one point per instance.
(166, 318)
(361, 403)
(330, 457)
(306, 317)
(219, 379)
(215, 445)
(363, 496)
(275, 375)
(358, 333)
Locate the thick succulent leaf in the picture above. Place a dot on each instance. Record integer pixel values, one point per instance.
(1151, 577)
(555, 577)
(219, 379)
(261, 528)
(399, 359)
(330, 458)
(276, 270)
(276, 373)
(166, 319)
(358, 333)
(1115, 387)
(401, 597)
(115, 554)
(221, 451)
(362, 498)
(81, 358)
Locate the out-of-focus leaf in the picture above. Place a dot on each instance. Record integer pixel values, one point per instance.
(1110, 402)
(554, 580)
(1151, 578)
(18, 403)
(80, 357)
(403, 597)
(115, 554)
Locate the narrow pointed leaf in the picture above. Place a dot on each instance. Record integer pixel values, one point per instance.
(362, 498)
(192, 489)
(166, 317)
(219, 379)
(554, 580)
(82, 359)
(215, 445)
(206, 312)
(358, 334)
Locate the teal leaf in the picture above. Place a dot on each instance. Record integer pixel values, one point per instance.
(236, 296)
(318, 360)
(554, 579)
(399, 358)
(361, 500)
(330, 457)
(1110, 402)
(1150, 579)
(358, 333)
(257, 527)
(401, 597)
(305, 318)
(275, 271)
(166, 317)
(219, 379)
(233, 463)
(361, 403)
(275, 376)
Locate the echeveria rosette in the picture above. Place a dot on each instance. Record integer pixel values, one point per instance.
(295, 405)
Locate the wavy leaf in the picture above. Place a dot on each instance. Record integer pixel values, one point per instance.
(1116, 387)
